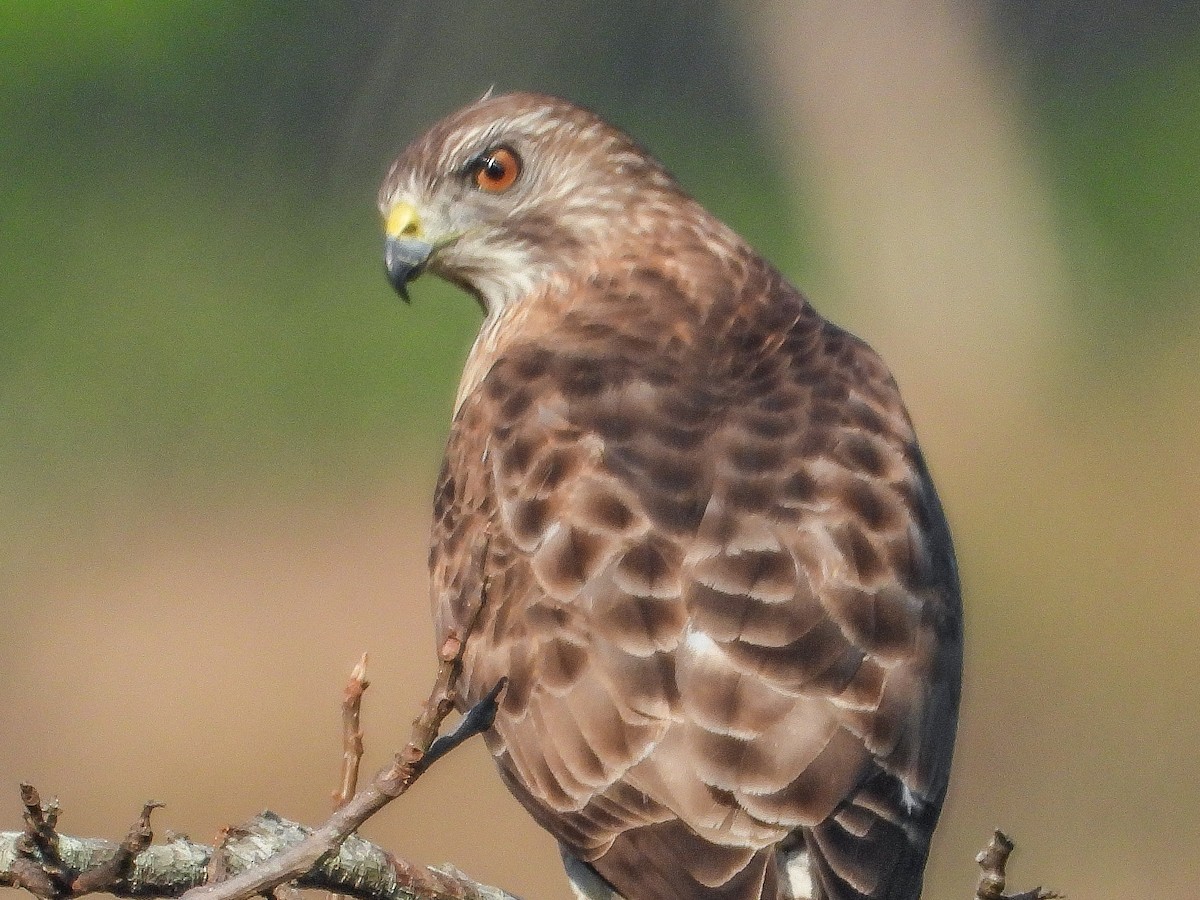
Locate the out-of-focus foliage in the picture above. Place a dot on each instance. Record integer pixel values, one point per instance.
(1114, 91)
(191, 276)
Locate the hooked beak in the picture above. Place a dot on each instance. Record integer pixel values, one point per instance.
(405, 252)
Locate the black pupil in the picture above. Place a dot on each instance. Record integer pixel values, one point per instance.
(493, 168)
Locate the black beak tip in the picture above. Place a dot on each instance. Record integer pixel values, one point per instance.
(399, 281)
(404, 260)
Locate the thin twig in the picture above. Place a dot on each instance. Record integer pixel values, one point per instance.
(389, 784)
(993, 861)
(40, 835)
(103, 876)
(37, 866)
(352, 735)
(406, 767)
(352, 743)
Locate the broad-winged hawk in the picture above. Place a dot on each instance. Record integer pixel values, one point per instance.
(711, 559)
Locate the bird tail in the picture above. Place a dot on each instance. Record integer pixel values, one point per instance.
(873, 847)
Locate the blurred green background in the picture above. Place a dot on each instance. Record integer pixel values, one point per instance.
(219, 428)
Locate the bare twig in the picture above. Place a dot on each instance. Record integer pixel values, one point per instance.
(352, 742)
(101, 877)
(408, 765)
(393, 781)
(40, 870)
(993, 860)
(47, 877)
(219, 864)
(352, 736)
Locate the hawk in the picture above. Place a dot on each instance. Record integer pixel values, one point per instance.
(687, 518)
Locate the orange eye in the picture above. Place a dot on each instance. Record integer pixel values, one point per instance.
(496, 170)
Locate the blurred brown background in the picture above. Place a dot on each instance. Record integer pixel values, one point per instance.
(218, 428)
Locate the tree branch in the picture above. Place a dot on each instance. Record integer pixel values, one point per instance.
(359, 868)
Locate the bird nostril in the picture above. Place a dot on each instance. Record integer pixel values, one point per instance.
(403, 221)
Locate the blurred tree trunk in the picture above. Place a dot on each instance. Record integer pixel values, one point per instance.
(928, 198)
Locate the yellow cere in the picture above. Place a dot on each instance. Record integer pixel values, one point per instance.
(403, 221)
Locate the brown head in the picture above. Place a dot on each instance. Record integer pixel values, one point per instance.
(513, 190)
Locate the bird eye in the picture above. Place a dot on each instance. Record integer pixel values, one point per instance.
(495, 170)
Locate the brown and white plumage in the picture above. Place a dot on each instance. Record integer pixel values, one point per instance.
(712, 562)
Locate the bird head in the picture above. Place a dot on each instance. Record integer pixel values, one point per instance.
(506, 193)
